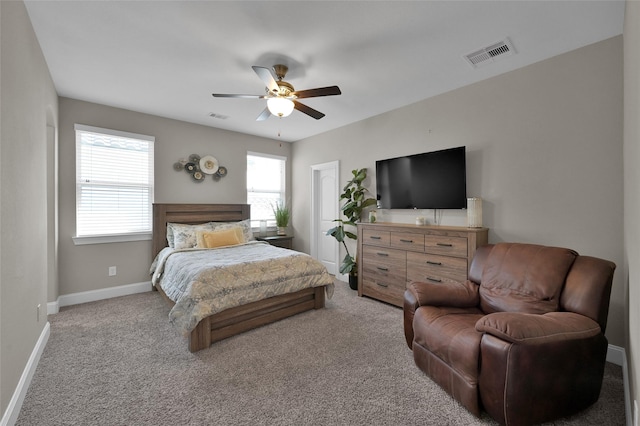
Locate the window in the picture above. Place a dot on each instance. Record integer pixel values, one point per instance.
(265, 185)
(114, 185)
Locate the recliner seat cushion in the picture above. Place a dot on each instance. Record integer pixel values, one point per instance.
(524, 278)
(450, 334)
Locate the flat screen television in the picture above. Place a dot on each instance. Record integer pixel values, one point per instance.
(432, 180)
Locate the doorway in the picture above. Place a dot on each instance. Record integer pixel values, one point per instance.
(324, 210)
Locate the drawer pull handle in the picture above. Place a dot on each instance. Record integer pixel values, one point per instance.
(382, 254)
(444, 244)
(429, 262)
(375, 238)
(382, 284)
(406, 241)
(435, 280)
(382, 268)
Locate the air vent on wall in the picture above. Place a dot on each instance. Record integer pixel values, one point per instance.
(491, 53)
(218, 116)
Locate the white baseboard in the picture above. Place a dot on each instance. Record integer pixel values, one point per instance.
(13, 409)
(617, 355)
(95, 295)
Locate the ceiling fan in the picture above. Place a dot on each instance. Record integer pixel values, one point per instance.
(281, 96)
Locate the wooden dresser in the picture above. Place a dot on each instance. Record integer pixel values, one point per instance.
(392, 255)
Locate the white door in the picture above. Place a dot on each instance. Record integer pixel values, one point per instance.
(324, 209)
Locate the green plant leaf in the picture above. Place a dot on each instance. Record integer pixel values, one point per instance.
(368, 202)
(282, 214)
(349, 205)
(337, 233)
(347, 265)
(351, 235)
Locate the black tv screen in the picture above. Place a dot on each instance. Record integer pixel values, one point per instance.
(432, 180)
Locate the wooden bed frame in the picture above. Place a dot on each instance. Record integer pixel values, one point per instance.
(242, 318)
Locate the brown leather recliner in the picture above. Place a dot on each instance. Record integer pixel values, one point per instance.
(523, 338)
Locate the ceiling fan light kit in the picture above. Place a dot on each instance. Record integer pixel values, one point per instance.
(280, 107)
(281, 96)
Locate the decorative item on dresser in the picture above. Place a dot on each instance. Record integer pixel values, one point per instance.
(394, 255)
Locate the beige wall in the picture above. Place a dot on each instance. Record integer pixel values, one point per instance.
(631, 185)
(544, 151)
(85, 267)
(27, 105)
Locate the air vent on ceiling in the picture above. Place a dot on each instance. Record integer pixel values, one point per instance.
(491, 53)
(218, 116)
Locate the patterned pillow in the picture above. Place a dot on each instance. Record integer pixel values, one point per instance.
(244, 224)
(183, 235)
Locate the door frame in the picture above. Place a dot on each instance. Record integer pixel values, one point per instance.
(314, 225)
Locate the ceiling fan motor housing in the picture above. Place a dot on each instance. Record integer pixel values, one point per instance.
(285, 88)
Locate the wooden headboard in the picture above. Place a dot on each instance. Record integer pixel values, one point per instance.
(192, 214)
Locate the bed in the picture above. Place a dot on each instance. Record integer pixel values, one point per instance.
(227, 322)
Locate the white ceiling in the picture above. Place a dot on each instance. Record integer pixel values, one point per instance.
(166, 57)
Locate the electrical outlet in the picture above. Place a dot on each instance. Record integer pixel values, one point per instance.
(112, 271)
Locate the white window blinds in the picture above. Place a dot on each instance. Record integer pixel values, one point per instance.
(265, 184)
(114, 182)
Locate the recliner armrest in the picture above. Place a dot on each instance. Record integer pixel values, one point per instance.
(515, 327)
(452, 294)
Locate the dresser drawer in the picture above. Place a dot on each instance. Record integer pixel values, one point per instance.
(383, 255)
(376, 238)
(407, 241)
(430, 267)
(384, 273)
(380, 289)
(384, 263)
(450, 246)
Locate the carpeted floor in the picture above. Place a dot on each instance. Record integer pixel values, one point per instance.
(120, 362)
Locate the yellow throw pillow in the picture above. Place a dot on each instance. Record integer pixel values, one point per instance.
(227, 237)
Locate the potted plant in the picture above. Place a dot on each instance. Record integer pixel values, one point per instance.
(354, 203)
(282, 214)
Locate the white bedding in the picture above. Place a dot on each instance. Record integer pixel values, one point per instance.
(203, 282)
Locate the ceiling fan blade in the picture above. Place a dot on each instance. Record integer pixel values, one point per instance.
(267, 78)
(264, 115)
(308, 110)
(225, 95)
(322, 91)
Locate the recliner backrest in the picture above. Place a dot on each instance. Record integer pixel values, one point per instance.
(588, 289)
(524, 278)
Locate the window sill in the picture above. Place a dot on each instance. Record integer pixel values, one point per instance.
(106, 239)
